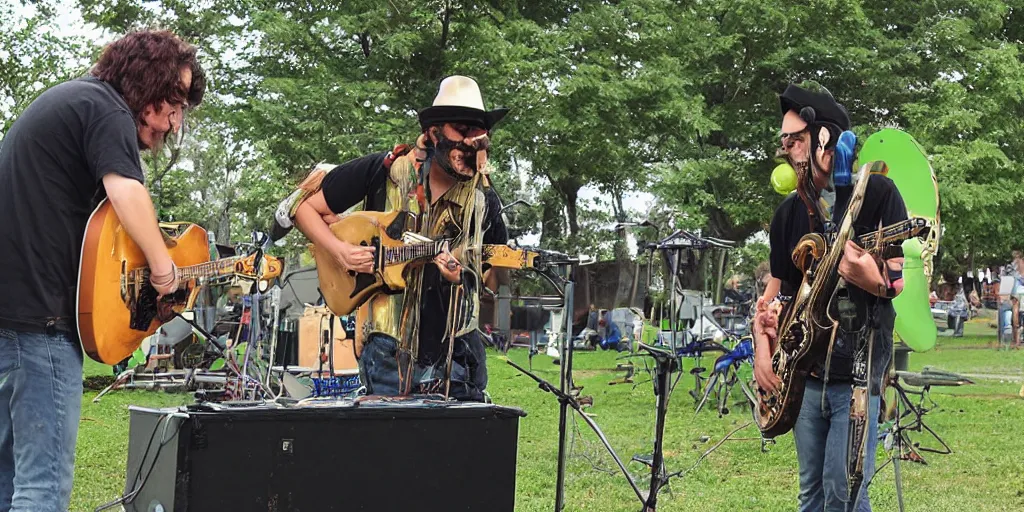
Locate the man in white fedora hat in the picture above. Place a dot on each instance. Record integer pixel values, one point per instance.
(441, 179)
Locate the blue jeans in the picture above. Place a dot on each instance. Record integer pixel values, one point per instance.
(40, 402)
(378, 368)
(821, 437)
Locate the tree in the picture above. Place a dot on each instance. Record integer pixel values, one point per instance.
(963, 116)
(627, 95)
(33, 56)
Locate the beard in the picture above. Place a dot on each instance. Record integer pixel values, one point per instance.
(800, 163)
(457, 158)
(158, 142)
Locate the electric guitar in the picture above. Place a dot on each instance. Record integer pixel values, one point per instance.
(345, 290)
(118, 307)
(807, 323)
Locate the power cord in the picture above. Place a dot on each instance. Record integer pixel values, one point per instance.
(139, 484)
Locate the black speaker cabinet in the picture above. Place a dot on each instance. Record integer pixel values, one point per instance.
(381, 457)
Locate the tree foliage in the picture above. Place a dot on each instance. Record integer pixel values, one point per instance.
(34, 55)
(676, 98)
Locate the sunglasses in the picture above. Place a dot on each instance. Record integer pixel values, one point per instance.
(466, 129)
(791, 137)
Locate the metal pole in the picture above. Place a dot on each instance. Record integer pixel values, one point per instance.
(897, 447)
(673, 309)
(658, 457)
(565, 385)
(569, 292)
(276, 297)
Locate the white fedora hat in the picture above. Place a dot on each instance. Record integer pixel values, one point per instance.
(458, 100)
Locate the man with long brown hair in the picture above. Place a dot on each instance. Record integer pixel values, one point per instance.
(76, 143)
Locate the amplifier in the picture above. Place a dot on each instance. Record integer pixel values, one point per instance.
(373, 455)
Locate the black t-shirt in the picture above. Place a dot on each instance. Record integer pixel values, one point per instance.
(882, 203)
(52, 161)
(353, 181)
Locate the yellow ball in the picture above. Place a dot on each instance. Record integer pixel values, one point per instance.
(784, 178)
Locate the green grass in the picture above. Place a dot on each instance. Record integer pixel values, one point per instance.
(981, 422)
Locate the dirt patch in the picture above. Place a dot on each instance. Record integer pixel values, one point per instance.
(586, 374)
(98, 382)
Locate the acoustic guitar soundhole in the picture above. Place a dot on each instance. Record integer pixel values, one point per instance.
(145, 307)
(363, 281)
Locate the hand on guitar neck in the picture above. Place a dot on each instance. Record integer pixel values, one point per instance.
(449, 266)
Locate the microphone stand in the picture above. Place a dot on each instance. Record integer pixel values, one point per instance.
(557, 269)
(565, 385)
(666, 363)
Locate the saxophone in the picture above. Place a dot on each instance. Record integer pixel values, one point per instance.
(807, 327)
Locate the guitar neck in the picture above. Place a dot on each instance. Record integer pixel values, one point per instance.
(215, 268)
(240, 265)
(892, 233)
(412, 252)
(501, 256)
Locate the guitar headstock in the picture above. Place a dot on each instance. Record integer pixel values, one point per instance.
(503, 256)
(920, 226)
(271, 267)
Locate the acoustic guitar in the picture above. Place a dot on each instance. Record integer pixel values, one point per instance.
(118, 307)
(345, 290)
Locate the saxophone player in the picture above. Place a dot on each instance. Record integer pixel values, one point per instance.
(817, 142)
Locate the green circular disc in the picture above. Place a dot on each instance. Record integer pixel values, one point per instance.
(910, 170)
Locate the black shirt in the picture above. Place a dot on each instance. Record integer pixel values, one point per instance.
(365, 178)
(882, 202)
(351, 182)
(52, 161)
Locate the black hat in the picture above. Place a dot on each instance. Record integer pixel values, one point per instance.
(815, 105)
(458, 100)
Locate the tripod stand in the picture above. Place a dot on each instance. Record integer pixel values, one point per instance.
(897, 438)
(557, 268)
(665, 363)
